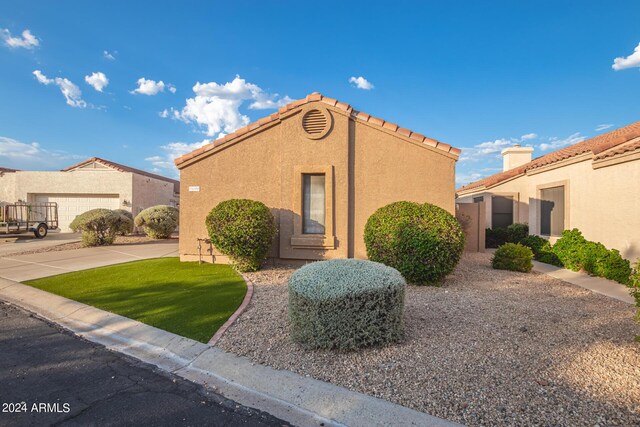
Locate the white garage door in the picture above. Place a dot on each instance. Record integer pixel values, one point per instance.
(72, 205)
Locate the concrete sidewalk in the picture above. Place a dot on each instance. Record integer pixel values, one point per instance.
(35, 266)
(283, 394)
(598, 285)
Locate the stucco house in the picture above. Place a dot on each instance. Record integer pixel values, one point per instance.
(93, 183)
(322, 168)
(593, 185)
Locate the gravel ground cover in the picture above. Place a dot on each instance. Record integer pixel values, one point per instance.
(120, 240)
(489, 347)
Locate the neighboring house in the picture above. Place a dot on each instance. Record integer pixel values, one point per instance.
(322, 168)
(94, 183)
(593, 185)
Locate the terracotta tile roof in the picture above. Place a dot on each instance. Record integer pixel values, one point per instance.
(7, 170)
(596, 145)
(123, 168)
(359, 115)
(620, 149)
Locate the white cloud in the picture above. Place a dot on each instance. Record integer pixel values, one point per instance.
(528, 136)
(172, 88)
(98, 80)
(71, 92)
(149, 87)
(361, 83)
(216, 107)
(556, 143)
(466, 178)
(491, 149)
(172, 151)
(27, 41)
(21, 155)
(630, 61)
(603, 126)
(111, 56)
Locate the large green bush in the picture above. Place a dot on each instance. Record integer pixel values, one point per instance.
(541, 249)
(495, 237)
(423, 242)
(98, 226)
(614, 267)
(569, 249)
(243, 230)
(516, 232)
(346, 304)
(125, 225)
(158, 222)
(514, 257)
(578, 253)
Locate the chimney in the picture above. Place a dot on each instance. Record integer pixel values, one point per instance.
(515, 156)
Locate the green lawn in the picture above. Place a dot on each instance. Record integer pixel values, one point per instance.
(185, 298)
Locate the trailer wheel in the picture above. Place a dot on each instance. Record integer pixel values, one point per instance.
(41, 231)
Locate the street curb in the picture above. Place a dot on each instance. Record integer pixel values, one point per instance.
(291, 397)
(231, 320)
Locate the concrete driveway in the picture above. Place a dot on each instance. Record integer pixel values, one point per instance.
(27, 242)
(35, 266)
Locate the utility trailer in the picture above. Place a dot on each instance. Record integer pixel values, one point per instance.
(37, 218)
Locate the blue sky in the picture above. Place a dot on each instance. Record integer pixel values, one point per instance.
(477, 75)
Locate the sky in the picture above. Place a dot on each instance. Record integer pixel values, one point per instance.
(141, 83)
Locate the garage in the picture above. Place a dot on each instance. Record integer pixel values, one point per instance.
(72, 205)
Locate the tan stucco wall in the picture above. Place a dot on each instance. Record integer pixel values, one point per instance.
(602, 202)
(149, 192)
(377, 166)
(7, 187)
(76, 182)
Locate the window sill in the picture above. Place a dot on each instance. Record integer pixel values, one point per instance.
(313, 241)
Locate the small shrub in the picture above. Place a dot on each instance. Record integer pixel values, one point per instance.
(514, 257)
(158, 222)
(423, 242)
(569, 249)
(495, 237)
(517, 232)
(541, 249)
(243, 230)
(98, 226)
(346, 304)
(125, 225)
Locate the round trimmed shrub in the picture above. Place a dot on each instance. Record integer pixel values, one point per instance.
(125, 225)
(423, 242)
(98, 226)
(158, 222)
(243, 230)
(514, 257)
(346, 304)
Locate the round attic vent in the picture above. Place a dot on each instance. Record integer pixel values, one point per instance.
(316, 123)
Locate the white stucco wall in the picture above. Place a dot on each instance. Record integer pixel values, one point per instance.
(603, 203)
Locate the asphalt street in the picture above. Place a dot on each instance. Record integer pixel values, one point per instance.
(50, 377)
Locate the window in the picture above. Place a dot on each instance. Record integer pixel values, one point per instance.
(313, 203)
(552, 211)
(478, 199)
(501, 211)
